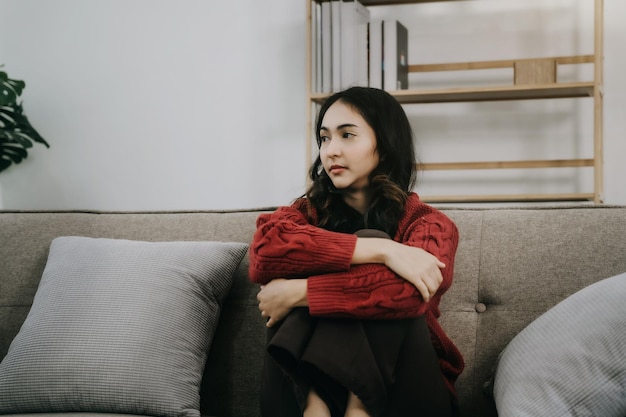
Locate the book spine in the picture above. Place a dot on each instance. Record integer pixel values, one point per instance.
(327, 53)
(316, 47)
(362, 22)
(402, 56)
(336, 45)
(343, 35)
(348, 43)
(376, 54)
(395, 56)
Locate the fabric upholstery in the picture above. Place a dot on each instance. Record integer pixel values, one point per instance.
(571, 361)
(506, 256)
(119, 326)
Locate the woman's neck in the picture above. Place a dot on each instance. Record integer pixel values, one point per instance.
(357, 199)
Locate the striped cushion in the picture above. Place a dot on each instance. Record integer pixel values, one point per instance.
(119, 326)
(571, 361)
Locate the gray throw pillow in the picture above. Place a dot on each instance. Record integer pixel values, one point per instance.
(119, 326)
(570, 361)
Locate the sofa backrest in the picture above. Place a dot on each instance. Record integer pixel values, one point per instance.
(231, 383)
(512, 264)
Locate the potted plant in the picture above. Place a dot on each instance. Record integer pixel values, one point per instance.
(16, 132)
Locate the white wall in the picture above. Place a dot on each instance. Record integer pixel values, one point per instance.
(191, 104)
(157, 104)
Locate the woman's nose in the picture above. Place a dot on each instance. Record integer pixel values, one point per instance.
(333, 148)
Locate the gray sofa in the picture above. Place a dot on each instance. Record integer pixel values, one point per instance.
(512, 265)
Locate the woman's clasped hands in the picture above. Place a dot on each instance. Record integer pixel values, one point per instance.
(279, 296)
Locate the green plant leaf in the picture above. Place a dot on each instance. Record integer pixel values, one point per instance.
(12, 138)
(10, 89)
(14, 153)
(16, 133)
(13, 119)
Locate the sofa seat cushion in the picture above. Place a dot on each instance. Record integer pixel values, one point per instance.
(76, 414)
(119, 326)
(570, 361)
(73, 414)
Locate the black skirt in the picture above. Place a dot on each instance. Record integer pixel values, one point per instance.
(390, 365)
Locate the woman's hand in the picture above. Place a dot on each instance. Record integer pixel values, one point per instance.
(417, 266)
(420, 268)
(279, 296)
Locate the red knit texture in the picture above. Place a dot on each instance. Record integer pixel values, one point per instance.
(286, 245)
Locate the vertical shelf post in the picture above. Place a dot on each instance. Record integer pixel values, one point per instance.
(309, 75)
(598, 97)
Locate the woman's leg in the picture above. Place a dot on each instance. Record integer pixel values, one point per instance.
(315, 406)
(355, 407)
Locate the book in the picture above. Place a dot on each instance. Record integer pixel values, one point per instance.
(375, 49)
(395, 56)
(354, 56)
(316, 47)
(335, 23)
(326, 47)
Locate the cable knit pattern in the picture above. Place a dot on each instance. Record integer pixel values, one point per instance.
(373, 290)
(286, 245)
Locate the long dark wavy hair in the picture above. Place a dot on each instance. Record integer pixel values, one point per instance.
(390, 182)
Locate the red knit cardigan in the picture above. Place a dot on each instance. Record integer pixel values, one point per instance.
(287, 245)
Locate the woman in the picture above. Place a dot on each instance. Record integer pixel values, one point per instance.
(352, 274)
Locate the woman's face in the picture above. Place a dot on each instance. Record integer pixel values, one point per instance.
(348, 147)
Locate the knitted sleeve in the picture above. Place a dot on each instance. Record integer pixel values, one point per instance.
(374, 291)
(286, 245)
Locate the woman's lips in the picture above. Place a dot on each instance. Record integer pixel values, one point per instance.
(336, 169)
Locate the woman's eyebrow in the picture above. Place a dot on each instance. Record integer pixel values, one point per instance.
(342, 126)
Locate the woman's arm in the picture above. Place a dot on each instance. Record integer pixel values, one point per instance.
(415, 265)
(371, 288)
(377, 290)
(278, 297)
(286, 245)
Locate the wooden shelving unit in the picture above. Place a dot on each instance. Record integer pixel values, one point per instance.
(533, 79)
(519, 92)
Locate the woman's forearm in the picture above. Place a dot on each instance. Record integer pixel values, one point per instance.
(415, 265)
(371, 250)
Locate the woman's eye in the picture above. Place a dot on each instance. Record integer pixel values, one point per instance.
(348, 135)
(324, 139)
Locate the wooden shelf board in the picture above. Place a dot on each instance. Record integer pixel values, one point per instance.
(554, 163)
(499, 93)
(396, 2)
(519, 92)
(503, 63)
(497, 198)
